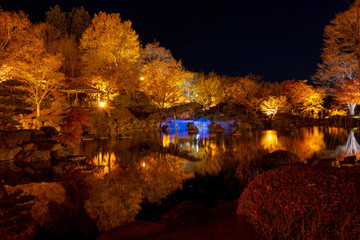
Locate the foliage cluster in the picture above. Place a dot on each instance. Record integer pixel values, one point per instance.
(72, 128)
(304, 202)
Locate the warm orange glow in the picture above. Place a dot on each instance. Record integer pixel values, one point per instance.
(166, 140)
(106, 162)
(143, 164)
(102, 104)
(269, 141)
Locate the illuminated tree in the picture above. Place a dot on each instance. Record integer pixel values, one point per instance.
(38, 69)
(348, 92)
(208, 90)
(69, 48)
(160, 82)
(341, 51)
(110, 48)
(14, 28)
(304, 98)
(244, 91)
(153, 51)
(273, 105)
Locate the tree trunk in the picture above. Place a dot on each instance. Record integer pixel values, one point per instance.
(37, 109)
(351, 107)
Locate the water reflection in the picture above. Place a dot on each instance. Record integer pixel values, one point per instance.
(269, 141)
(150, 167)
(351, 147)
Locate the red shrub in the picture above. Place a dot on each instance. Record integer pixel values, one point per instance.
(304, 202)
(72, 128)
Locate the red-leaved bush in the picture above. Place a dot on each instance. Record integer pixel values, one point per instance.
(304, 202)
(72, 128)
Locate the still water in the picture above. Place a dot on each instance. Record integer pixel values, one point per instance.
(209, 153)
(129, 171)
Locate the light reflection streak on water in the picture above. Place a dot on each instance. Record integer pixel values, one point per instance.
(304, 142)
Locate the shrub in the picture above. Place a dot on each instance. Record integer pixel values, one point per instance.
(72, 128)
(248, 169)
(304, 202)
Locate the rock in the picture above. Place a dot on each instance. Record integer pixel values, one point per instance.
(29, 146)
(192, 128)
(349, 160)
(327, 162)
(39, 155)
(9, 153)
(215, 127)
(50, 131)
(277, 159)
(39, 136)
(134, 230)
(56, 147)
(59, 154)
(12, 139)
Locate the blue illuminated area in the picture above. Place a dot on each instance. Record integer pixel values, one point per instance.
(202, 124)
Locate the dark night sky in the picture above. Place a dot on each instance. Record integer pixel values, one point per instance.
(277, 39)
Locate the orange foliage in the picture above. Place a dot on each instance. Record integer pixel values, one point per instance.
(348, 91)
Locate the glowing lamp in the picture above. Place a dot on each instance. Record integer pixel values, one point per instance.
(102, 104)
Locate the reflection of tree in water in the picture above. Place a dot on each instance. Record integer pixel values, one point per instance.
(351, 147)
(114, 201)
(211, 159)
(115, 198)
(306, 142)
(105, 163)
(162, 174)
(269, 141)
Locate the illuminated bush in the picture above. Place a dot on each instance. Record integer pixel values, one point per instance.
(304, 202)
(72, 128)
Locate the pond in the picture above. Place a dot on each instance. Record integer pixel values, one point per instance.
(139, 171)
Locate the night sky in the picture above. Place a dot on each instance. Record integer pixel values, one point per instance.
(277, 39)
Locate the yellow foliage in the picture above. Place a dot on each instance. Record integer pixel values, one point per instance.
(110, 53)
(161, 82)
(162, 174)
(208, 90)
(272, 105)
(114, 203)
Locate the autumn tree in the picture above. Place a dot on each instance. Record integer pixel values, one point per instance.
(341, 51)
(78, 20)
(110, 49)
(304, 98)
(14, 29)
(38, 68)
(208, 90)
(273, 105)
(69, 48)
(153, 51)
(57, 18)
(161, 81)
(244, 90)
(348, 92)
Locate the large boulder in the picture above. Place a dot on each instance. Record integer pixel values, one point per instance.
(9, 153)
(191, 128)
(215, 127)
